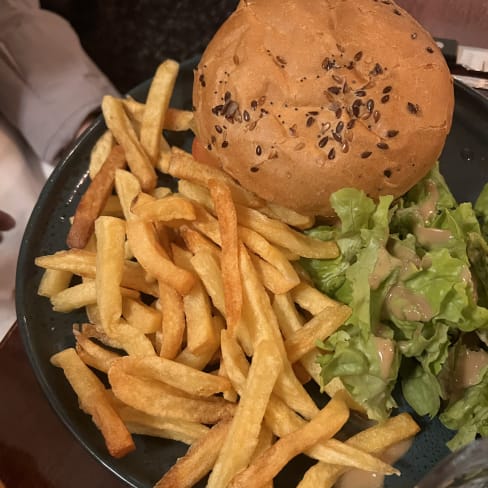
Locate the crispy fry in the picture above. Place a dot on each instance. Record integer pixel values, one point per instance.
(120, 126)
(156, 106)
(152, 257)
(100, 152)
(184, 166)
(242, 439)
(324, 425)
(231, 276)
(140, 316)
(153, 397)
(95, 401)
(198, 461)
(81, 295)
(318, 328)
(94, 199)
(373, 440)
(173, 323)
(280, 234)
(53, 281)
(165, 209)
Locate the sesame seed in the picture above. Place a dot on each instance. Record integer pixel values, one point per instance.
(387, 173)
(227, 96)
(259, 150)
(413, 35)
(299, 146)
(382, 145)
(254, 169)
(413, 108)
(338, 113)
(218, 129)
(328, 64)
(351, 123)
(345, 147)
(246, 116)
(334, 89)
(385, 98)
(429, 49)
(323, 141)
(360, 93)
(310, 121)
(235, 58)
(358, 56)
(281, 59)
(392, 133)
(339, 127)
(337, 137)
(225, 144)
(370, 105)
(387, 89)
(397, 12)
(254, 104)
(331, 154)
(376, 115)
(366, 154)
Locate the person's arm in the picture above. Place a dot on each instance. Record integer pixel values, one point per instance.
(48, 85)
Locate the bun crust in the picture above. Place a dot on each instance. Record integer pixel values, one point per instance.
(298, 98)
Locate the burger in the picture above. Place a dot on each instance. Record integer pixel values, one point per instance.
(298, 98)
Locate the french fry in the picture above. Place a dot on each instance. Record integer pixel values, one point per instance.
(259, 245)
(200, 332)
(110, 233)
(173, 321)
(288, 216)
(82, 263)
(229, 259)
(324, 425)
(137, 158)
(94, 199)
(93, 354)
(81, 295)
(141, 423)
(165, 209)
(242, 439)
(152, 257)
(311, 299)
(140, 316)
(175, 374)
(318, 328)
(373, 440)
(112, 208)
(184, 166)
(128, 188)
(153, 397)
(156, 106)
(199, 459)
(95, 401)
(100, 152)
(53, 281)
(280, 234)
(282, 420)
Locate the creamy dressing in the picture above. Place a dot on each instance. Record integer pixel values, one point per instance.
(469, 365)
(356, 478)
(427, 208)
(407, 305)
(431, 237)
(385, 264)
(386, 354)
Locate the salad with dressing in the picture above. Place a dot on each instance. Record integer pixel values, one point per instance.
(415, 273)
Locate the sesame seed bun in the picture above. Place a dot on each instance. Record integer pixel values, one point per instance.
(298, 98)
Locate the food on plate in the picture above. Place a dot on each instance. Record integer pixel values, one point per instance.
(309, 243)
(297, 99)
(201, 321)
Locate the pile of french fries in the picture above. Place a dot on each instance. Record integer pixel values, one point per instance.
(198, 314)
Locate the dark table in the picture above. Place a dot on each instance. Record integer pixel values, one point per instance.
(36, 450)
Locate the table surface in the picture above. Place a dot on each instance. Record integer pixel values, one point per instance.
(36, 449)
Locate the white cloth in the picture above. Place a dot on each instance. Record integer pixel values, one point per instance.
(48, 86)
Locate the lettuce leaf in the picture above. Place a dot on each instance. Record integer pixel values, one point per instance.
(414, 271)
(469, 414)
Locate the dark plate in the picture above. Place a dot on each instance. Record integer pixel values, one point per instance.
(44, 332)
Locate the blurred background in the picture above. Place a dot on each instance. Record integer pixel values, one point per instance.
(127, 39)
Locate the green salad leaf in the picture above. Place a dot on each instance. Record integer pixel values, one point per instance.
(415, 273)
